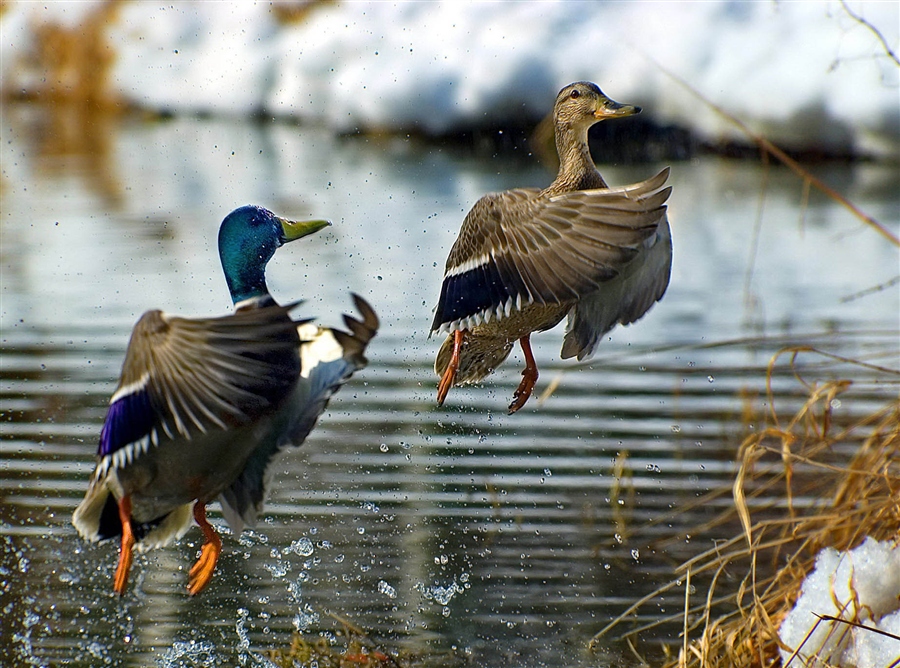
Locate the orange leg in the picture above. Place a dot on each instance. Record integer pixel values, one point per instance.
(126, 551)
(201, 573)
(450, 373)
(529, 376)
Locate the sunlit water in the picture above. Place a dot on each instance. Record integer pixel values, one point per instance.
(458, 534)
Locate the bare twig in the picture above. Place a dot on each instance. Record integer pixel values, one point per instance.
(757, 230)
(868, 291)
(850, 622)
(785, 159)
(859, 19)
(858, 498)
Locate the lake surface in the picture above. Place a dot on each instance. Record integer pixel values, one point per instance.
(452, 536)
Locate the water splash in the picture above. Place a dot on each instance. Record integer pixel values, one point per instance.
(386, 589)
(302, 547)
(305, 618)
(278, 568)
(29, 621)
(189, 654)
(443, 594)
(240, 627)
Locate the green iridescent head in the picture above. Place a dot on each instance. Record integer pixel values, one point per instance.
(248, 238)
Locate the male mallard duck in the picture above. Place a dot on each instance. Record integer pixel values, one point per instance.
(526, 258)
(204, 405)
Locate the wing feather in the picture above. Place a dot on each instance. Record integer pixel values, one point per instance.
(329, 357)
(528, 247)
(186, 376)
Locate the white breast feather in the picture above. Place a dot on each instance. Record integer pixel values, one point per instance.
(319, 346)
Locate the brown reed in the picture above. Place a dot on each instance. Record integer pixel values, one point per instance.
(776, 549)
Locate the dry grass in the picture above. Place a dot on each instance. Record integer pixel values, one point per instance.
(352, 649)
(71, 64)
(788, 459)
(293, 12)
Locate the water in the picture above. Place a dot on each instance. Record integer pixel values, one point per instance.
(448, 535)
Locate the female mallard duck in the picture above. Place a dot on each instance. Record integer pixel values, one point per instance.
(526, 258)
(204, 405)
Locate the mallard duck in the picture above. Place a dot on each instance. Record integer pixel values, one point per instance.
(204, 405)
(526, 258)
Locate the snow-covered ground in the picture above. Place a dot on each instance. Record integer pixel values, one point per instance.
(861, 585)
(807, 74)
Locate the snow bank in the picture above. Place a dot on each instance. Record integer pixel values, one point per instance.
(807, 74)
(862, 585)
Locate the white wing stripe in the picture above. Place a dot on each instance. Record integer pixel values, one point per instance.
(468, 265)
(131, 388)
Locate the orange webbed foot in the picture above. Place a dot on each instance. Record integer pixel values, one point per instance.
(449, 376)
(529, 377)
(523, 392)
(126, 550)
(202, 571)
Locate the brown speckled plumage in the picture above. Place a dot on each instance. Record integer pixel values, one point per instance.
(527, 258)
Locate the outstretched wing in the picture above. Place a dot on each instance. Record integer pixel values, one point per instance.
(187, 376)
(622, 300)
(520, 247)
(329, 357)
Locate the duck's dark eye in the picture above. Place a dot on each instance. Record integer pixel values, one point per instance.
(575, 93)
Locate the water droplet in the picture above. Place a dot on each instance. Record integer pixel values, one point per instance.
(279, 569)
(302, 547)
(305, 619)
(635, 554)
(383, 447)
(386, 589)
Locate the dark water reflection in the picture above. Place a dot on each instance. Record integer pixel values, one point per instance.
(460, 533)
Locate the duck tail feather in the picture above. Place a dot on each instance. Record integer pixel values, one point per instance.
(97, 516)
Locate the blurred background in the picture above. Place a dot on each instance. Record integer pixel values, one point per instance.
(813, 76)
(461, 535)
